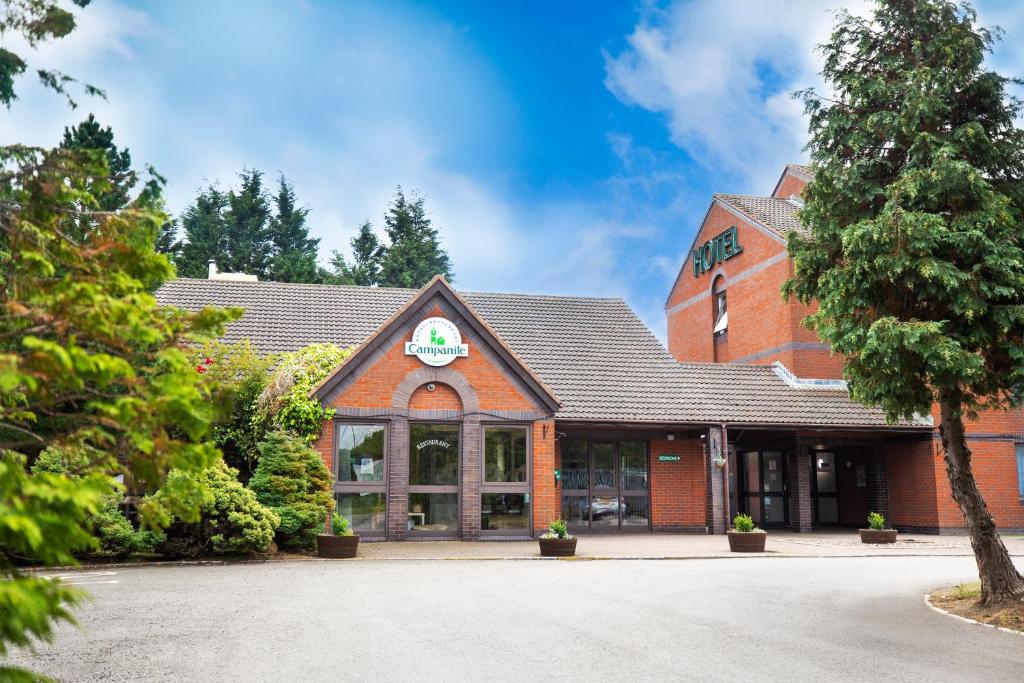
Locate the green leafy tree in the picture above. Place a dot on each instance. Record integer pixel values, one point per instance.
(294, 251)
(248, 247)
(915, 253)
(286, 402)
(205, 234)
(367, 253)
(414, 254)
(292, 480)
(230, 520)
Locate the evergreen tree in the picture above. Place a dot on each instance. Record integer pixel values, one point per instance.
(294, 252)
(205, 234)
(167, 242)
(414, 254)
(915, 254)
(247, 240)
(367, 252)
(89, 135)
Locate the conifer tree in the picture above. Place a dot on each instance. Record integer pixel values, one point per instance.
(205, 233)
(367, 253)
(414, 254)
(247, 241)
(294, 251)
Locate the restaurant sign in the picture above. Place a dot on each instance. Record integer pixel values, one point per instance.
(436, 342)
(721, 247)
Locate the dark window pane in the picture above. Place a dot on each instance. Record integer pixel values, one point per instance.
(604, 511)
(752, 473)
(504, 511)
(505, 454)
(633, 465)
(604, 465)
(365, 511)
(434, 512)
(433, 455)
(825, 464)
(575, 464)
(360, 452)
(575, 510)
(636, 511)
(754, 508)
(774, 509)
(773, 480)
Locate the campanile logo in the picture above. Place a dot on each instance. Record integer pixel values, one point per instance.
(436, 342)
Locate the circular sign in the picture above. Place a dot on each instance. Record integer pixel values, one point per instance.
(436, 342)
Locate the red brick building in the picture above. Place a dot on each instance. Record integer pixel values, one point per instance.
(488, 415)
(725, 307)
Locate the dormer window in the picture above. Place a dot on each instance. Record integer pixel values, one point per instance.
(720, 310)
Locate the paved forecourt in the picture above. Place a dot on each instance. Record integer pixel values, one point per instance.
(858, 618)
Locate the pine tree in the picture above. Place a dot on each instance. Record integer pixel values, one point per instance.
(89, 135)
(367, 252)
(915, 255)
(294, 252)
(414, 254)
(247, 241)
(205, 234)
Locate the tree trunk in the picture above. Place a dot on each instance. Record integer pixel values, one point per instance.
(1000, 580)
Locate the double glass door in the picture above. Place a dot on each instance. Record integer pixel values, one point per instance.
(605, 485)
(765, 490)
(433, 479)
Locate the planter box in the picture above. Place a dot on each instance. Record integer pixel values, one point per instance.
(557, 547)
(747, 541)
(877, 535)
(337, 547)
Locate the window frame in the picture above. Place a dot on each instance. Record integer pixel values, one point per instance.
(719, 290)
(1018, 449)
(442, 489)
(524, 488)
(354, 487)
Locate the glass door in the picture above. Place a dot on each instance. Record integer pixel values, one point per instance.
(605, 485)
(765, 487)
(433, 479)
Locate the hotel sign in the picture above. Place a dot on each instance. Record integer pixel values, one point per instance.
(721, 247)
(436, 342)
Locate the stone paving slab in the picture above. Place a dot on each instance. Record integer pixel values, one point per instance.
(679, 546)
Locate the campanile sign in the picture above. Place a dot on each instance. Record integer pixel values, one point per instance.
(436, 342)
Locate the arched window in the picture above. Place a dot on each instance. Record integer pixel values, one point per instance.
(720, 312)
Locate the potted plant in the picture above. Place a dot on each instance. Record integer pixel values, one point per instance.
(342, 542)
(556, 541)
(744, 537)
(877, 533)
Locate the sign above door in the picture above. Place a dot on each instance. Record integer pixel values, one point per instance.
(436, 342)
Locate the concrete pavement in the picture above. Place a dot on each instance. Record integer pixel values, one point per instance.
(856, 618)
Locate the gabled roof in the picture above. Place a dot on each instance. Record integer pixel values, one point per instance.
(438, 286)
(801, 171)
(597, 357)
(775, 213)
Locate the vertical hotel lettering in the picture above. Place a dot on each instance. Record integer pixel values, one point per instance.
(721, 247)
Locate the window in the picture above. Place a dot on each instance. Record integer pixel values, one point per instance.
(360, 485)
(505, 490)
(1020, 471)
(721, 313)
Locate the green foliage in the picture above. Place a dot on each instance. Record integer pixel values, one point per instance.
(247, 241)
(412, 257)
(340, 525)
(237, 375)
(224, 519)
(294, 252)
(286, 403)
(89, 134)
(292, 480)
(204, 233)
(743, 523)
(876, 521)
(558, 529)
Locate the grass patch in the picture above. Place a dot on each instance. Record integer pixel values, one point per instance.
(965, 591)
(962, 600)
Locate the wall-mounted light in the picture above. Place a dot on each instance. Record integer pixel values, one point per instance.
(671, 436)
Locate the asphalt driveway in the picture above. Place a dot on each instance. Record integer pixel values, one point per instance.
(741, 619)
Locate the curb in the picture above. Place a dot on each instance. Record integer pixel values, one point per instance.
(927, 601)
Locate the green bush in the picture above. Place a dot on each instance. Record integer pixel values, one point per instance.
(114, 535)
(286, 403)
(231, 520)
(876, 521)
(340, 526)
(293, 481)
(743, 523)
(558, 529)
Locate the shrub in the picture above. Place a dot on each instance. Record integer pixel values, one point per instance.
(876, 521)
(557, 529)
(339, 525)
(230, 521)
(743, 523)
(286, 403)
(114, 535)
(293, 481)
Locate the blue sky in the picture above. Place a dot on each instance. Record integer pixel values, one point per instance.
(566, 148)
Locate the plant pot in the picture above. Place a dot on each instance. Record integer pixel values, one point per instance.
(747, 541)
(877, 535)
(337, 547)
(557, 547)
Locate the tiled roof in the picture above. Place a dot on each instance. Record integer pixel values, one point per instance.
(774, 213)
(806, 170)
(595, 354)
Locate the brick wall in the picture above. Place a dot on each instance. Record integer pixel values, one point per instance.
(546, 498)
(791, 186)
(443, 397)
(678, 489)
